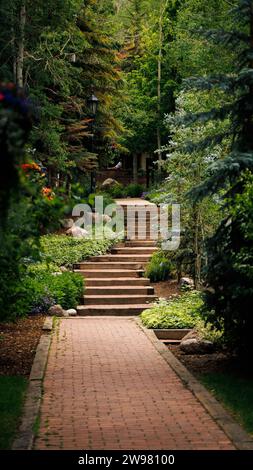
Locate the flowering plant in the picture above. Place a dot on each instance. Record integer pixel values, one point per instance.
(26, 167)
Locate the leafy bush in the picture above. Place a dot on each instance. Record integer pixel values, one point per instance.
(182, 312)
(134, 190)
(117, 191)
(207, 332)
(159, 268)
(107, 199)
(41, 288)
(62, 250)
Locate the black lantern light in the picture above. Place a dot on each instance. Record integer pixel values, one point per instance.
(93, 104)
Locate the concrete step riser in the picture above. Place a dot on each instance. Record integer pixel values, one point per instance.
(140, 238)
(119, 290)
(118, 301)
(133, 251)
(137, 281)
(136, 243)
(122, 259)
(113, 311)
(110, 274)
(105, 266)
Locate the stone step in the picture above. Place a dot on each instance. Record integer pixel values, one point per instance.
(175, 342)
(119, 290)
(141, 238)
(112, 310)
(110, 273)
(118, 299)
(140, 243)
(105, 265)
(121, 281)
(121, 258)
(143, 232)
(149, 250)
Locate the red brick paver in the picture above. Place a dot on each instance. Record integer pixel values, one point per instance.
(107, 387)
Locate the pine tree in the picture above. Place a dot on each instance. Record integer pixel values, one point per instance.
(229, 275)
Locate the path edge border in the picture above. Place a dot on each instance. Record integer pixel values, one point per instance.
(26, 434)
(234, 431)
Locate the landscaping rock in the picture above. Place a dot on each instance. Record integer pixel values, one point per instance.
(106, 218)
(109, 183)
(77, 232)
(64, 269)
(196, 346)
(56, 310)
(71, 312)
(186, 282)
(67, 223)
(193, 334)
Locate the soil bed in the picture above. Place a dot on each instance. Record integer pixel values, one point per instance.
(166, 289)
(18, 342)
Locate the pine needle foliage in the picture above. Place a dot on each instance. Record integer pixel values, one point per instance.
(229, 273)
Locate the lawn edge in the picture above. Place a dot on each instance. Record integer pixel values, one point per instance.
(26, 432)
(238, 436)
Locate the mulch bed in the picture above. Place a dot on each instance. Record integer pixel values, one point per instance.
(166, 289)
(204, 363)
(198, 363)
(18, 343)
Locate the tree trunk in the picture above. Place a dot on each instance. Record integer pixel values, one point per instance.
(13, 48)
(21, 46)
(159, 79)
(135, 168)
(197, 248)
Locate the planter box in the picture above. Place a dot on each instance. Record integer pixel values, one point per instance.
(173, 334)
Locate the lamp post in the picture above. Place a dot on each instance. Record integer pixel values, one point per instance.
(93, 103)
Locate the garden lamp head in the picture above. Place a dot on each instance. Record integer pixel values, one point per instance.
(93, 104)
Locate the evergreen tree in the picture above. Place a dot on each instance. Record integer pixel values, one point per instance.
(229, 271)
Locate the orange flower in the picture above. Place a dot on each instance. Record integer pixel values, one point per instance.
(48, 193)
(31, 166)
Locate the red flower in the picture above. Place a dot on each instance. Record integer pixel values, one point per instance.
(1, 97)
(30, 166)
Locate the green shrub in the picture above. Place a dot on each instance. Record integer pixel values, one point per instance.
(117, 191)
(208, 332)
(41, 288)
(107, 199)
(62, 250)
(134, 190)
(182, 312)
(159, 268)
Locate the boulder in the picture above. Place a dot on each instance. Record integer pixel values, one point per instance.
(96, 217)
(63, 269)
(109, 183)
(106, 218)
(77, 232)
(56, 311)
(196, 346)
(71, 312)
(186, 282)
(67, 223)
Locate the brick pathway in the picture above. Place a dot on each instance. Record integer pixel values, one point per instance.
(106, 387)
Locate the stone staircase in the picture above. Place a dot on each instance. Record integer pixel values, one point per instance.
(115, 282)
